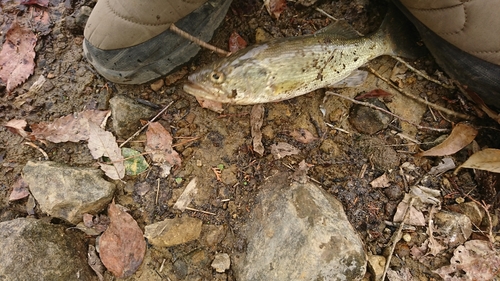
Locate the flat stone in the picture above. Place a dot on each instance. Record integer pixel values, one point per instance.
(127, 115)
(171, 232)
(455, 228)
(300, 232)
(367, 120)
(67, 192)
(36, 250)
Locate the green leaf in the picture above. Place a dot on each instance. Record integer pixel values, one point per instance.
(135, 163)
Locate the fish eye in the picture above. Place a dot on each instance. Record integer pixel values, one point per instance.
(217, 77)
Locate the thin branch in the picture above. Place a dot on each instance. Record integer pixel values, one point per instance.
(147, 124)
(195, 40)
(423, 74)
(387, 112)
(435, 106)
(397, 236)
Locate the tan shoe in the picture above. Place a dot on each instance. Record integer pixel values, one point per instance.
(128, 41)
(464, 38)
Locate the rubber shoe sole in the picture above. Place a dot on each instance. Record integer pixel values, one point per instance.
(161, 54)
(480, 76)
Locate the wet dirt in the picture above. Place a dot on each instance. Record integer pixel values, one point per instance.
(344, 163)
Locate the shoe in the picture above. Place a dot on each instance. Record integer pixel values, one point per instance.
(128, 41)
(464, 39)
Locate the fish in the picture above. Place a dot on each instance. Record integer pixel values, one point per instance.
(284, 68)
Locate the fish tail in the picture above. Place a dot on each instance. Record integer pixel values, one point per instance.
(399, 35)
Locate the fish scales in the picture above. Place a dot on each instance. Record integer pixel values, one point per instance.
(284, 68)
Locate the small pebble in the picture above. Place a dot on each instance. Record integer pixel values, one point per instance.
(407, 237)
(221, 262)
(156, 86)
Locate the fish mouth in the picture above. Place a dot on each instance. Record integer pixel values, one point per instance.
(196, 90)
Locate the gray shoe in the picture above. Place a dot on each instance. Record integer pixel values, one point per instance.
(464, 38)
(128, 41)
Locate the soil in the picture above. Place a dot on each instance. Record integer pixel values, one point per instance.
(343, 163)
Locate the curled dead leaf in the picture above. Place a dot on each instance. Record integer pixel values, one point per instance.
(487, 160)
(461, 136)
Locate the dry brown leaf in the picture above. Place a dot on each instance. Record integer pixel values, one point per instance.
(475, 260)
(256, 120)
(19, 190)
(275, 7)
(17, 126)
(186, 196)
(300, 174)
(236, 42)
(415, 217)
(282, 149)
(487, 159)
(102, 143)
(73, 127)
(159, 144)
(122, 246)
(380, 182)
(17, 57)
(210, 105)
(95, 263)
(461, 136)
(303, 136)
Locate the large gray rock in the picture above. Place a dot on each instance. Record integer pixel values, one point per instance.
(66, 192)
(36, 250)
(299, 232)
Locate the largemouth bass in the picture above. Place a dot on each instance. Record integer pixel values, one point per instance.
(285, 68)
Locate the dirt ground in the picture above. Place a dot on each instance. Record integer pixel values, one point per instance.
(343, 163)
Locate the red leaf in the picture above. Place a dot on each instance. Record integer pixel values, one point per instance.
(303, 136)
(236, 42)
(122, 246)
(17, 57)
(373, 94)
(19, 190)
(275, 7)
(159, 144)
(41, 3)
(17, 126)
(73, 127)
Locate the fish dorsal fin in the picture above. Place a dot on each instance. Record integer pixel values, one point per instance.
(340, 29)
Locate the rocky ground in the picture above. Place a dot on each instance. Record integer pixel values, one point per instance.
(249, 216)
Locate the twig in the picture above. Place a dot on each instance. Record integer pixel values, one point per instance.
(157, 191)
(147, 124)
(195, 40)
(45, 155)
(423, 74)
(337, 128)
(191, 139)
(201, 211)
(386, 112)
(435, 106)
(397, 236)
(326, 14)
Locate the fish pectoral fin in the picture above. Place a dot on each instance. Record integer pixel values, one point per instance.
(356, 78)
(340, 29)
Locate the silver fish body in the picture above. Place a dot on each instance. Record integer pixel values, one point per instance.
(284, 68)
